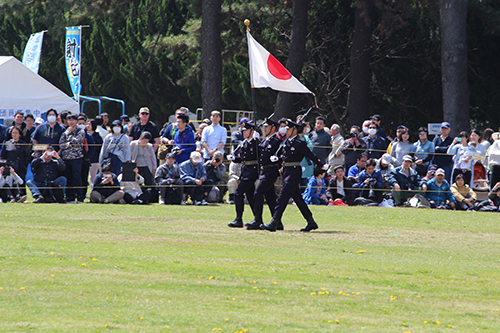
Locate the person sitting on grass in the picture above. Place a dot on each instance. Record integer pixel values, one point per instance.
(370, 182)
(46, 170)
(106, 187)
(9, 181)
(405, 181)
(438, 192)
(168, 178)
(356, 169)
(315, 193)
(194, 176)
(494, 195)
(340, 188)
(133, 193)
(463, 194)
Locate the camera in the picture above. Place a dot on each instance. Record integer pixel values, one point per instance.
(175, 149)
(217, 159)
(371, 184)
(50, 153)
(6, 171)
(352, 135)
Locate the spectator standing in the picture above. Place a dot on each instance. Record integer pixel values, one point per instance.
(320, 140)
(214, 136)
(94, 158)
(402, 147)
(340, 187)
(103, 132)
(17, 154)
(184, 142)
(19, 122)
(30, 126)
(494, 159)
(144, 124)
(405, 182)
(115, 148)
(237, 136)
(364, 128)
(463, 156)
(72, 151)
(106, 187)
(89, 151)
(438, 192)
(306, 164)
(168, 178)
(377, 119)
(125, 122)
(46, 170)
(143, 155)
(336, 142)
(375, 145)
(48, 133)
(351, 148)
(424, 152)
(441, 144)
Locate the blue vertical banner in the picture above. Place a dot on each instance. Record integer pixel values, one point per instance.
(32, 51)
(72, 57)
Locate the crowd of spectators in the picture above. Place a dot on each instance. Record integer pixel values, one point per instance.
(61, 157)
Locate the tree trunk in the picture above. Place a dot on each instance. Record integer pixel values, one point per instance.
(360, 77)
(453, 18)
(211, 59)
(285, 101)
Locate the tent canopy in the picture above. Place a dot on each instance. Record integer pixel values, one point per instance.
(23, 90)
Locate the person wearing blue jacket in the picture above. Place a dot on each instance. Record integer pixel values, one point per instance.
(370, 182)
(194, 176)
(315, 193)
(439, 193)
(184, 140)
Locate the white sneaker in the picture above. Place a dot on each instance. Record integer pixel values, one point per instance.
(204, 203)
(161, 202)
(183, 203)
(197, 203)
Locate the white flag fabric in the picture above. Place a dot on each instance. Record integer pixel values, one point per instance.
(267, 72)
(32, 51)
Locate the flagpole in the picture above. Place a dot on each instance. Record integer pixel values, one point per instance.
(247, 23)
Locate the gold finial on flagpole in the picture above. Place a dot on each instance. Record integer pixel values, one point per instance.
(247, 22)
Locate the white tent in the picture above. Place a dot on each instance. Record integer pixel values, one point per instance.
(23, 90)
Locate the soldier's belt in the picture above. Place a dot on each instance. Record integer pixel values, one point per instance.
(247, 163)
(268, 166)
(291, 164)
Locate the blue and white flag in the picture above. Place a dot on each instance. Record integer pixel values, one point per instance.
(31, 57)
(72, 57)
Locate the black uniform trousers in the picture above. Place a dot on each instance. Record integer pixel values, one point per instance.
(290, 189)
(246, 186)
(265, 189)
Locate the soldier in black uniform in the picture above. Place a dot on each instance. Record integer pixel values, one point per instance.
(246, 154)
(292, 151)
(269, 171)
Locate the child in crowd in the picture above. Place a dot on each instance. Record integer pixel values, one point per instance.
(315, 193)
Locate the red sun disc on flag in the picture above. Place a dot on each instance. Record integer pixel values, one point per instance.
(277, 69)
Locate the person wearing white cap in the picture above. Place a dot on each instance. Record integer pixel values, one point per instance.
(405, 181)
(438, 192)
(384, 164)
(195, 180)
(38, 121)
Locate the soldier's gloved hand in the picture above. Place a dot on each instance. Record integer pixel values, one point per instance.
(256, 135)
(303, 169)
(230, 157)
(325, 167)
(274, 159)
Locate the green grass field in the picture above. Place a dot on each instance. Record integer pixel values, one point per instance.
(94, 268)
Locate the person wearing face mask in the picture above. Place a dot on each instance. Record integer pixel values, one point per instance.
(375, 144)
(89, 152)
(48, 133)
(115, 148)
(281, 132)
(72, 151)
(364, 128)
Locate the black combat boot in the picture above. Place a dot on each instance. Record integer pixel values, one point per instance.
(237, 223)
(272, 226)
(280, 226)
(254, 225)
(311, 225)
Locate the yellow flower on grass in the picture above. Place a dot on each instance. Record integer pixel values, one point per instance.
(495, 309)
(116, 316)
(227, 319)
(313, 293)
(321, 292)
(166, 326)
(450, 325)
(393, 298)
(1, 288)
(22, 288)
(84, 265)
(217, 329)
(361, 251)
(105, 325)
(51, 253)
(141, 318)
(425, 322)
(210, 278)
(438, 322)
(337, 321)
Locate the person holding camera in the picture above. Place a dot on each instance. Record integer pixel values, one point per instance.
(370, 182)
(351, 148)
(46, 170)
(216, 171)
(106, 187)
(9, 182)
(405, 181)
(168, 178)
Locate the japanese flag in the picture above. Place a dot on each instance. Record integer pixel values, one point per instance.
(267, 72)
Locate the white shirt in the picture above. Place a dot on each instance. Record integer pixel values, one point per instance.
(340, 187)
(213, 135)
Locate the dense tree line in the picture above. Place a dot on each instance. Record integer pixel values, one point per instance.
(149, 52)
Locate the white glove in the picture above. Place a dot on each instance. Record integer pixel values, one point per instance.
(303, 169)
(274, 159)
(230, 157)
(326, 166)
(256, 135)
